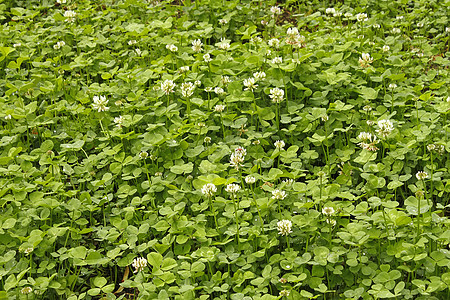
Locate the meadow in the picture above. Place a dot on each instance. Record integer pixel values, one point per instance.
(215, 149)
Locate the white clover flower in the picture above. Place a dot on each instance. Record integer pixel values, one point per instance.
(288, 181)
(223, 21)
(219, 108)
(119, 121)
(187, 89)
(385, 127)
(250, 84)
(284, 293)
(100, 103)
(197, 83)
(386, 48)
(70, 16)
(284, 227)
(293, 37)
(419, 25)
(28, 250)
(376, 26)
(278, 194)
(237, 157)
(139, 264)
(277, 60)
(207, 139)
(330, 11)
(392, 86)
(324, 118)
(207, 58)
(447, 29)
(361, 17)
(259, 75)
(197, 46)
(184, 69)
(209, 189)
(328, 211)
(337, 14)
(274, 42)
(167, 86)
(367, 108)
(158, 174)
(172, 47)
(279, 145)
(218, 90)
(8, 117)
(143, 155)
(138, 51)
(365, 60)
(399, 17)
(276, 94)
(396, 30)
(26, 290)
(368, 141)
(431, 147)
(232, 188)
(61, 1)
(225, 80)
(264, 22)
(58, 45)
(17, 45)
(250, 179)
(331, 221)
(256, 142)
(224, 44)
(348, 15)
(255, 39)
(275, 10)
(421, 175)
(132, 42)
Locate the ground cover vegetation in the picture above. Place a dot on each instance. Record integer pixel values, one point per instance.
(224, 149)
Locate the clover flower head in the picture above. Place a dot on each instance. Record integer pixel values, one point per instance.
(367, 108)
(197, 83)
(184, 69)
(279, 144)
(17, 45)
(237, 157)
(197, 46)
(264, 22)
(376, 26)
(119, 121)
(386, 48)
(447, 29)
(365, 60)
(132, 42)
(143, 155)
(278, 194)
(250, 84)
(420, 25)
(223, 21)
(209, 189)
(277, 60)
(250, 179)
(218, 90)
(276, 94)
(328, 211)
(58, 45)
(187, 89)
(207, 139)
(255, 39)
(259, 75)
(139, 264)
(332, 222)
(348, 15)
(421, 175)
(368, 141)
(385, 127)
(274, 43)
(275, 10)
(324, 118)
(284, 227)
(392, 86)
(396, 30)
(167, 86)
(294, 38)
(8, 117)
(330, 11)
(172, 47)
(399, 17)
(100, 103)
(207, 58)
(232, 188)
(288, 181)
(225, 80)
(219, 108)
(361, 17)
(70, 16)
(256, 142)
(284, 293)
(26, 290)
(337, 14)
(224, 44)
